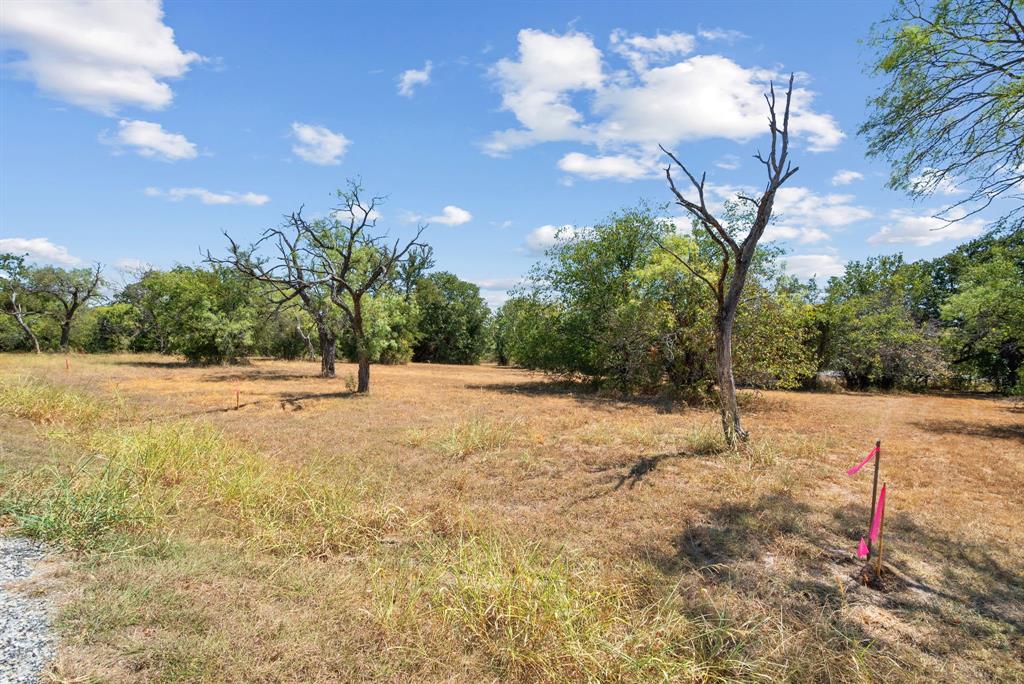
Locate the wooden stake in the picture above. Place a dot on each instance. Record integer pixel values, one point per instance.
(236, 399)
(67, 364)
(881, 531)
(874, 490)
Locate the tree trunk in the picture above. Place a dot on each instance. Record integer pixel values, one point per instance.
(364, 373)
(732, 428)
(362, 349)
(65, 334)
(327, 348)
(28, 331)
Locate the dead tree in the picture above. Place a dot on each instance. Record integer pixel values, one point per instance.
(292, 278)
(727, 283)
(354, 261)
(70, 289)
(14, 288)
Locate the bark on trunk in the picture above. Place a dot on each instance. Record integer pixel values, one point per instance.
(327, 350)
(362, 349)
(732, 428)
(28, 331)
(364, 374)
(65, 334)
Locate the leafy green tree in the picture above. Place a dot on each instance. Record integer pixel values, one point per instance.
(19, 300)
(613, 303)
(390, 326)
(453, 320)
(951, 108)
(355, 261)
(873, 336)
(115, 329)
(68, 291)
(206, 315)
(986, 319)
(291, 278)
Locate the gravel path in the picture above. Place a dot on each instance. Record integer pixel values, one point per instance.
(25, 642)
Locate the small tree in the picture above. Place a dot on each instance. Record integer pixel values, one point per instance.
(17, 295)
(70, 290)
(352, 260)
(736, 256)
(292, 277)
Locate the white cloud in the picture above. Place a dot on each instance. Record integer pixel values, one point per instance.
(619, 167)
(96, 54)
(357, 213)
(543, 238)
(800, 213)
(409, 79)
(207, 197)
(807, 266)
(132, 264)
(497, 283)
(451, 215)
(683, 225)
(729, 162)
(700, 97)
(494, 298)
(318, 144)
(641, 51)
(932, 182)
(151, 140)
(845, 177)
(907, 228)
(537, 86)
(727, 35)
(39, 249)
(705, 96)
(802, 206)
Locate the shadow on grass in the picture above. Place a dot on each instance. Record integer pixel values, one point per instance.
(962, 427)
(970, 575)
(175, 364)
(287, 401)
(969, 591)
(634, 473)
(578, 391)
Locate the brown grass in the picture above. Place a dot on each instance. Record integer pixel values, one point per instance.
(478, 524)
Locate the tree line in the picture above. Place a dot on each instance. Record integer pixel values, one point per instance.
(610, 305)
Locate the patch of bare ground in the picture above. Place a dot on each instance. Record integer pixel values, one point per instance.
(638, 493)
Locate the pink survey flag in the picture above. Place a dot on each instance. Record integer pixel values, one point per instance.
(876, 521)
(854, 469)
(862, 549)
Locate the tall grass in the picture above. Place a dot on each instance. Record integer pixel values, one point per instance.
(182, 475)
(477, 434)
(535, 616)
(48, 404)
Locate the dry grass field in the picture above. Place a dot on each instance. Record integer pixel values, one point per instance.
(468, 524)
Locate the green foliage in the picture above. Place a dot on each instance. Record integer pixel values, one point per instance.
(611, 305)
(452, 320)
(390, 327)
(986, 319)
(869, 328)
(206, 315)
(950, 109)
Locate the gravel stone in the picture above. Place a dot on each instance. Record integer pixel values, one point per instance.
(26, 644)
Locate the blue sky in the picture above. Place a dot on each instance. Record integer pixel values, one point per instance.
(137, 132)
